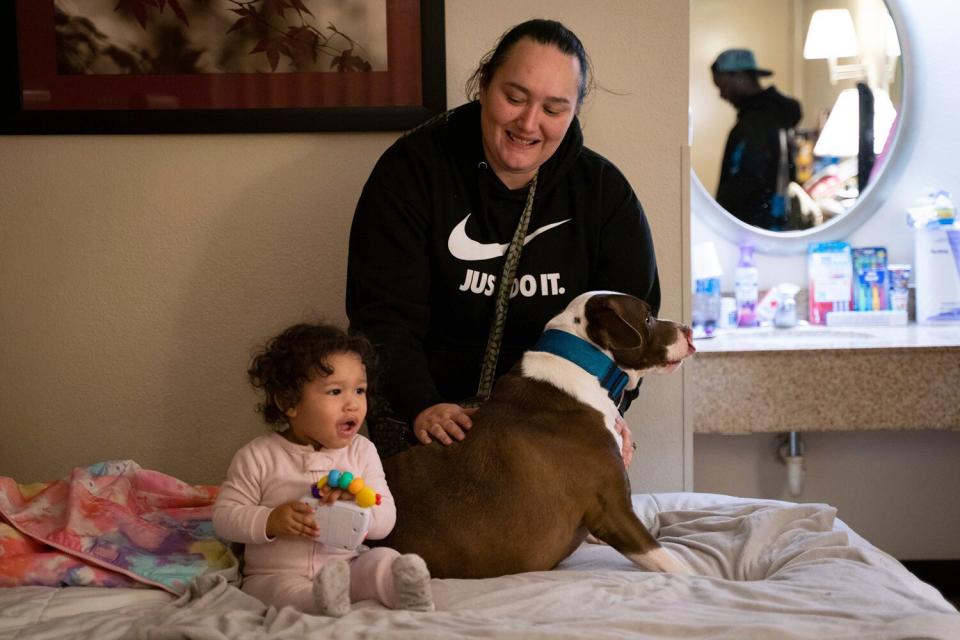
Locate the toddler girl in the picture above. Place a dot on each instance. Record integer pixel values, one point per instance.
(313, 380)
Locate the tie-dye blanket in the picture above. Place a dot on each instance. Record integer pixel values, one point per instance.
(109, 524)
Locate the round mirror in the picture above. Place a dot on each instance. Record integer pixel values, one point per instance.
(795, 115)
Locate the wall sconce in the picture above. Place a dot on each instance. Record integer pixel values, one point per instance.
(831, 35)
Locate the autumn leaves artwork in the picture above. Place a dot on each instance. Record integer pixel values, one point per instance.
(95, 37)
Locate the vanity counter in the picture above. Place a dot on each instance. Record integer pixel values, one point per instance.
(813, 378)
(814, 337)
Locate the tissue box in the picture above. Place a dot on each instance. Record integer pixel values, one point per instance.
(937, 276)
(888, 318)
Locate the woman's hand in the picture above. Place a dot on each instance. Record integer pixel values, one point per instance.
(442, 421)
(292, 519)
(628, 445)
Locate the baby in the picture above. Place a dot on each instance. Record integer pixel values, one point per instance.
(313, 380)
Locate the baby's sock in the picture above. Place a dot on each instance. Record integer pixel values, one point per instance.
(411, 583)
(331, 588)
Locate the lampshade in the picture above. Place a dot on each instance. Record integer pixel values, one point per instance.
(705, 261)
(831, 35)
(841, 133)
(891, 42)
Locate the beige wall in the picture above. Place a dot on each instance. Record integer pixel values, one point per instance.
(136, 273)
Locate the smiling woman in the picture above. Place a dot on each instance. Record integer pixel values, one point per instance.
(526, 108)
(435, 258)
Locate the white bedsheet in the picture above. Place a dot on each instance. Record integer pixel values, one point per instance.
(766, 569)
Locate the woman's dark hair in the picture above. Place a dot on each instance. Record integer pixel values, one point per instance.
(291, 359)
(548, 32)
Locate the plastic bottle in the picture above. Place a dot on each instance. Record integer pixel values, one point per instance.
(943, 206)
(786, 314)
(899, 286)
(706, 306)
(746, 288)
(804, 159)
(728, 312)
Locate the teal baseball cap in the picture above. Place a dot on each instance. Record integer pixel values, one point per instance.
(734, 60)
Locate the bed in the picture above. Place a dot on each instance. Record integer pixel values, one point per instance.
(765, 569)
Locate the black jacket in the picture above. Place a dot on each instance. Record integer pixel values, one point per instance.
(751, 158)
(422, 268)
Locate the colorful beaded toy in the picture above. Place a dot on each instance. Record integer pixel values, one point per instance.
(364, 495)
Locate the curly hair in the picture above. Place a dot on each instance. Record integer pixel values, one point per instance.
(291, 359)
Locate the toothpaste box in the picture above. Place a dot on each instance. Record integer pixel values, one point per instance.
(830, 278)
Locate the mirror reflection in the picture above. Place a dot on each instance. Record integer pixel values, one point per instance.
(793, 105)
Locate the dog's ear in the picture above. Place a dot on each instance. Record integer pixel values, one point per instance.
(615, 321)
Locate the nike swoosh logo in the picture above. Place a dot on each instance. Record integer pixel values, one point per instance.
(463, 247)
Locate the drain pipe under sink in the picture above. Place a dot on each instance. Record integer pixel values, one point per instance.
(790, 453)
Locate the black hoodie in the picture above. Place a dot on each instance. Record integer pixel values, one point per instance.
(748, 175)
(424, 261)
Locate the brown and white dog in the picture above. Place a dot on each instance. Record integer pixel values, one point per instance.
(541, 467)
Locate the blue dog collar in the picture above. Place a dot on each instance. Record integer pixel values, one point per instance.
(587, 357)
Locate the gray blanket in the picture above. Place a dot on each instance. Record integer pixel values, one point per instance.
(765, 570)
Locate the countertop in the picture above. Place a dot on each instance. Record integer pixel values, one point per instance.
(815, 337)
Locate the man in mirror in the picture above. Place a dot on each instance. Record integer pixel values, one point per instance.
(757, 162)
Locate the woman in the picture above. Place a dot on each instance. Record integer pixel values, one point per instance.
(439, 210)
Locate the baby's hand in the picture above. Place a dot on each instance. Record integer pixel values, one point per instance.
(329, 495)
(292, 519)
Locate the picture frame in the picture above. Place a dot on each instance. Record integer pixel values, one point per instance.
(39, 98)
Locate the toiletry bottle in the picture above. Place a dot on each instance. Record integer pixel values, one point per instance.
(746, 288)
(786, 314)
(713, 305)
(899, 286)
(944, 208)
(706, 307)
(728, 312)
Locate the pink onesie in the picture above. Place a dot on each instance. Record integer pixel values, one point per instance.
(270, 471)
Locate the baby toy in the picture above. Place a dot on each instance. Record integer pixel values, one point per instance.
(342, 524)
(364, 495)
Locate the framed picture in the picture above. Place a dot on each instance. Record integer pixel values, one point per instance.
(220, 66)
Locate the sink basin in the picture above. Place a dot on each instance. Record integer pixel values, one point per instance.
(801, 333)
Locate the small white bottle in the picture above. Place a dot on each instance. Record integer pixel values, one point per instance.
(746, 287)
(899, 286)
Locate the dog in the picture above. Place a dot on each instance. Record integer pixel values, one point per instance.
(541, 466)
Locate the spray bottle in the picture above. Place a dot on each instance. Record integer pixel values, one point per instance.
(746, 288)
